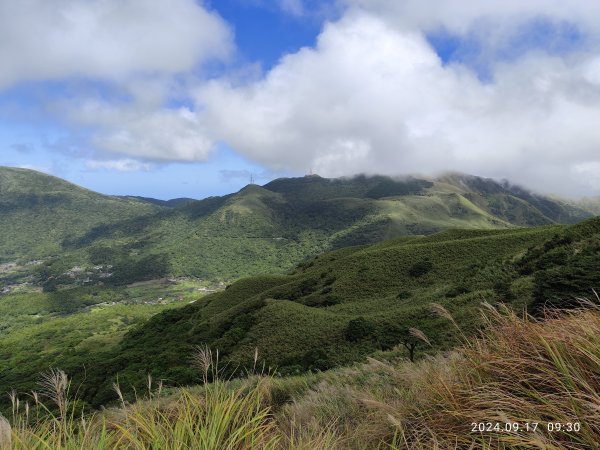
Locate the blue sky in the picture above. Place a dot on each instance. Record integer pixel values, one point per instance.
(29, 138)
(188, 98)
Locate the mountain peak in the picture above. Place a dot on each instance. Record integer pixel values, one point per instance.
(21, 180)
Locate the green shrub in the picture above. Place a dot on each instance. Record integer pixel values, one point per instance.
(316, 359)
(420, 268)
(404, 294)
(562, 286)
(456, 291)
(359, 329)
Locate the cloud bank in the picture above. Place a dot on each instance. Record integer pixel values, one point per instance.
(112, 39)
(372, 96)
(120, 165)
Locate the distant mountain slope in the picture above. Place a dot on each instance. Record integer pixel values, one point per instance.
(38, 212)
(515, 204)
(256, 230)
(262, 229)
(590, 204)
(346, 304)
(173, 203)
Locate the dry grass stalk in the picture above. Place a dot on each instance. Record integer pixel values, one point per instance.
(5, 433)
(202, 359)
(418, 334)
(520, 371)
(54, 385)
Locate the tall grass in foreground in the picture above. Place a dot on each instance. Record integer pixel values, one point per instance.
(520, 370)
(221, 418)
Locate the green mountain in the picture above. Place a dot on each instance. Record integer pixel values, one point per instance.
(591, 204)
(341, 306)
(273, 227)
(331, 310)
(260, 229)
(173, 203)
(38, 212)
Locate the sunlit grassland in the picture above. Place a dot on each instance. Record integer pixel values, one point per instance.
(332, 310)
(526, 375)
(41, 330)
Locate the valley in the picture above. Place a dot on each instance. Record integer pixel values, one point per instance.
(302, 277)
(260, 229)
(299, 225)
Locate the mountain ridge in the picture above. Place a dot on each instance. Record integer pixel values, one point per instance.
(259, 228)
(38, 211)
(343, 305)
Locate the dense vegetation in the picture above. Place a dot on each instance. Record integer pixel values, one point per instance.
(40, 330)
(266, 229)
(522, 384)
(345, 305)
(38, 212)
(69, 260)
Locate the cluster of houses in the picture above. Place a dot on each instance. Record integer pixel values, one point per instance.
(90, 275)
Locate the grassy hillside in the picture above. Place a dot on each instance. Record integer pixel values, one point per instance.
(266, 229)
(523, 383)
(40, 330)
(38, 212)
(332, 310)
(270, 229)
(342, 306)
(515, 204)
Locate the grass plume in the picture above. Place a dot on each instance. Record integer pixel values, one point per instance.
(520, 370)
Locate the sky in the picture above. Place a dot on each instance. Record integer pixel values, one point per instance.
(189, 98)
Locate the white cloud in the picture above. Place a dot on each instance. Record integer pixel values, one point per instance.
(41, 40)
(121, 165)
(142, 51)
(141, 131)
(590, 172)
(372, 97)
(460, 15)
(496, 28)
(294, 7)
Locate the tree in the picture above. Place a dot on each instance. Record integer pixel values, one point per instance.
(410, 345)
(414, 337)
(420, 268)
(359, 328)
(316, 359)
